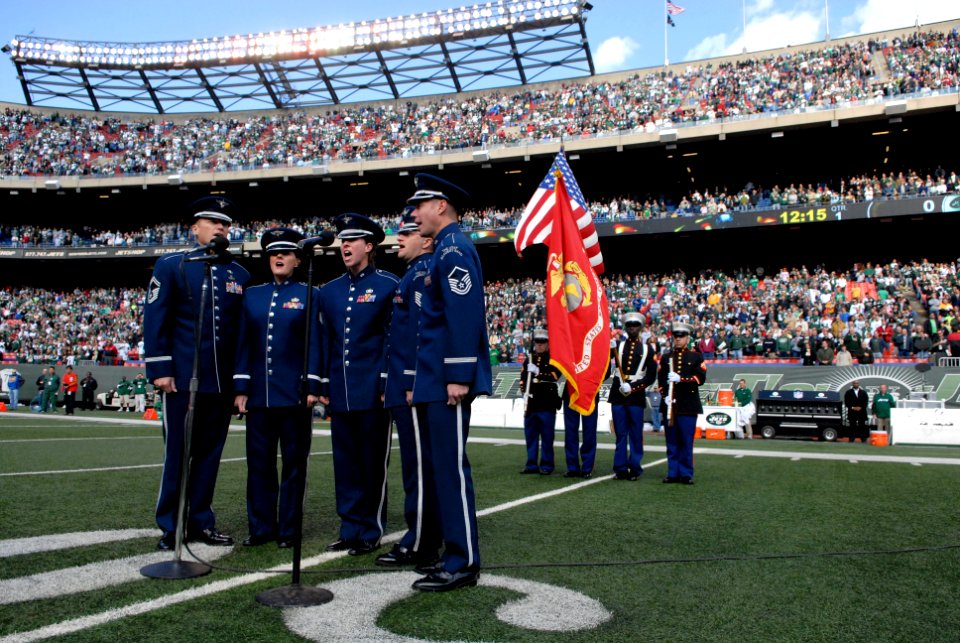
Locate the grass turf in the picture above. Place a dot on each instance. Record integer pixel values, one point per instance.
(671, 562)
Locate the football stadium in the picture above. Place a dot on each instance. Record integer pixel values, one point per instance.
(751, 256)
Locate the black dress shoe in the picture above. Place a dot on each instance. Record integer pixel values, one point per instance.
(670, 480)
(429, 566)
(686, 480)
(444, 581)
(284, 543)
(167, 542)
(586, 475)
(546, 472)
(340, 544)
(527, 472)
(213, 538)
(626, 475)
(573, 474)
(360, 548)
(256, 541)
(399, 556)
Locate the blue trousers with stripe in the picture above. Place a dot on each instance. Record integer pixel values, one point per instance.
(680, 446)
(446, 429)
(211, 421)
(361, 454)
(628, 424)
(419, 506)
(539, 428)
(266, 427)
(580, 456)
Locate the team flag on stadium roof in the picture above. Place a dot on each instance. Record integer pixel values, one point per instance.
(578, 316)
(537, 220)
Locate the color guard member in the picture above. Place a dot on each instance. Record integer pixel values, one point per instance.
(682, 373)
(634, 368)
(540, 405)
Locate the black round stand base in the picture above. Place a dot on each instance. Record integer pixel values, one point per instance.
(294, 596)
(175, 570)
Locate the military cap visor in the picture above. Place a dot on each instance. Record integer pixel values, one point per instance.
(213, 208)
(407, 224)
(356, 226)
(540, 335)
(280, 240)
(433, 187)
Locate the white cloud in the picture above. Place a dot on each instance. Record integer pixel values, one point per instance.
(881, 15)
(763, 32)
(613, 53)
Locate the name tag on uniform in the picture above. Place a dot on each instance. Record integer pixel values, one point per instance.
(233, 288)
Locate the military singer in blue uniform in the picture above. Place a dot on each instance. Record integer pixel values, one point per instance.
(682, 373)
(170, 320)
(355, 309)
(453, 367)
(268, 381)
(421, 543)
(634, 368)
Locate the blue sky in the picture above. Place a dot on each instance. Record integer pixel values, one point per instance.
(624, 34)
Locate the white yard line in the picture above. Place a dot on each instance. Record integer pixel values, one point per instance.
(123, 468)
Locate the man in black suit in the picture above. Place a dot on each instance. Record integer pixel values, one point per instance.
(855, 399)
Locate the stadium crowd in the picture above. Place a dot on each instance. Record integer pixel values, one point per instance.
(870, 311)
(34, 144)
(855, 189)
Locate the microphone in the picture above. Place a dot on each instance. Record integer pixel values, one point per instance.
(324, 239)
(215, 250)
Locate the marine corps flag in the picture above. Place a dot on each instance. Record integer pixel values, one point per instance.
(578, 316)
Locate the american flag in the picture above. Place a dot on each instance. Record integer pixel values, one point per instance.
(673, 9)
(536, 223)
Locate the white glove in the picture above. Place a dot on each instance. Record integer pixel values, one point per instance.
(625, 388)
(532, 369)
(673, 377)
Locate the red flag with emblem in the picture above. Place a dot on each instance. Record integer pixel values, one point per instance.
(578, 316)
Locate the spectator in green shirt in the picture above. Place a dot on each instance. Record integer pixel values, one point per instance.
(882, 403)
(51, 384)
(745, 408)
(123, 390)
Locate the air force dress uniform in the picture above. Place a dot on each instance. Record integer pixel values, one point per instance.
(689, 372)
(634, 368)
(170, 320)
(542, 402)
(355, 310)
(452, 348)
(269, 372)
(422, 540)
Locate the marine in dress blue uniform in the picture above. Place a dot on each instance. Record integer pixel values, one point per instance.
(170, 319)
(453, 367)
(686, 370)
(355, 309)
(634, 368)
(580, 454)
(542, 402)
(421, 542)
(268, 382)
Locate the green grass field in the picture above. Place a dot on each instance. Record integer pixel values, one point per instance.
(787, 547)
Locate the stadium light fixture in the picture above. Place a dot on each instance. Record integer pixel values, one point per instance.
(481, 156)
(895, 107)
(175, 179)
(52, 184)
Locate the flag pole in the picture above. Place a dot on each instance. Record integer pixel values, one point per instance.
(666, 59)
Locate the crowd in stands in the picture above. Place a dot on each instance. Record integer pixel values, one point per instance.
(35, 144)
(888, 185)
(864, 314)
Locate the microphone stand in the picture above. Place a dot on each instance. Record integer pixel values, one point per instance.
(177, 569)
(295, 594)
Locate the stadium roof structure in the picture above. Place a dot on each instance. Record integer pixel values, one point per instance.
(495, 43)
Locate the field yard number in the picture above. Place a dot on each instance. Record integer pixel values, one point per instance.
(357, 603)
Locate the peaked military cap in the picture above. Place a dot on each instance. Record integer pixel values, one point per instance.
(633, 318)
(680, 327)
(433, 187)
(216, 208)
(351, 225)
(540, 334)
(280, 240)
(407, 224)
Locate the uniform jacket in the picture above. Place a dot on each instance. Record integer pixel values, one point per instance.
(638, 362)
(543, 386)
(404, 325)
(173, 302)
(693, 373)
(270, 348)
(453, 345)
(355, 313)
